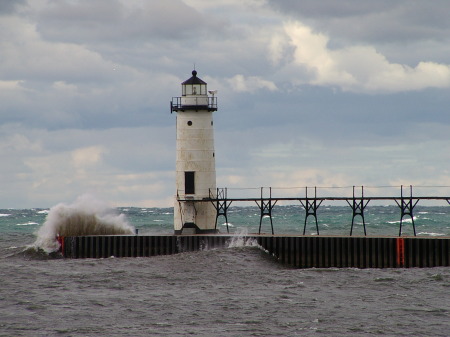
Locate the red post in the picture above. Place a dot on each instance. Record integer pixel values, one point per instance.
(400, 252)
(61, 244)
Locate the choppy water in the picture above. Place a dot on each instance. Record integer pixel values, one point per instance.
(239, 291)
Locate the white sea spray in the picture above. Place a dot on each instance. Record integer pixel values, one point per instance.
(86, 216)
(241, 239)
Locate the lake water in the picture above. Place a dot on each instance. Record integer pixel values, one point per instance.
(237, 291)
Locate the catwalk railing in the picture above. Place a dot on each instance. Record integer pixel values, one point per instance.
(310, 201)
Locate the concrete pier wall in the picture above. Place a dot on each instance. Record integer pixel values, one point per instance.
(297, 251)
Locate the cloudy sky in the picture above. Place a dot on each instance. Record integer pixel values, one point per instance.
(310, 93)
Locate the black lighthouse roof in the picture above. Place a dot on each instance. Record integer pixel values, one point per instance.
(194, 79)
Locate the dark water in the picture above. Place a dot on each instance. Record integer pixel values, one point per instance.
(239, 291)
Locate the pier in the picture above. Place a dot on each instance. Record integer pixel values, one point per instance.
(296, 251)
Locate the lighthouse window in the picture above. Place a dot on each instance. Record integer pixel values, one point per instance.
(189, 182)
(189, 123)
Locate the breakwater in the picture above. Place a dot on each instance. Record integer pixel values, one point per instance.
(297, 251)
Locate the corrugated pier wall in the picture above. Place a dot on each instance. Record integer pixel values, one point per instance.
(297, 251)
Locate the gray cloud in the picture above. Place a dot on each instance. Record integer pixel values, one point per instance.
(106, 21)
(310, 93)
(10, 6)
(373, 21)
(331, 9)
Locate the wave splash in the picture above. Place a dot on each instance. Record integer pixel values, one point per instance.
(86, 216)
(241, 239)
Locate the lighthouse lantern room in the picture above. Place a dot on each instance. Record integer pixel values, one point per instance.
(195, 159)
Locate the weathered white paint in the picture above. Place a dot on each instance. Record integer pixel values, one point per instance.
(194, 100)
(195, 153)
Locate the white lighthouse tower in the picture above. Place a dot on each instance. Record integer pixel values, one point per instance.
(195, 166)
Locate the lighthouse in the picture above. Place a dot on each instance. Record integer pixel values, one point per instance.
(195, 158)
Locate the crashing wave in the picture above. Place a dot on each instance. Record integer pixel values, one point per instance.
(86, 216)
(241, 239)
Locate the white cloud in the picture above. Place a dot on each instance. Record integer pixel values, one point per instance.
(87, 156)
(26, 56)
(17, 142)
(11, 85)
(311, 51)
(358, 68)
(42, 167)
(240, 83)
(395, 77)
(65, 87)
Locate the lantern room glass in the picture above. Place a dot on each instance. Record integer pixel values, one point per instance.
(193, 89)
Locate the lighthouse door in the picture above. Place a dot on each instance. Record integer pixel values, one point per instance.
(189, 182)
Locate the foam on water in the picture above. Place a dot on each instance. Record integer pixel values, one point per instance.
(405, 220)
(29, 223)
(430, 234)
(86, 216)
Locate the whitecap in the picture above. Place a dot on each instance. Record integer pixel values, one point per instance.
(407, 220)
(27, 224)
(430, 234)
